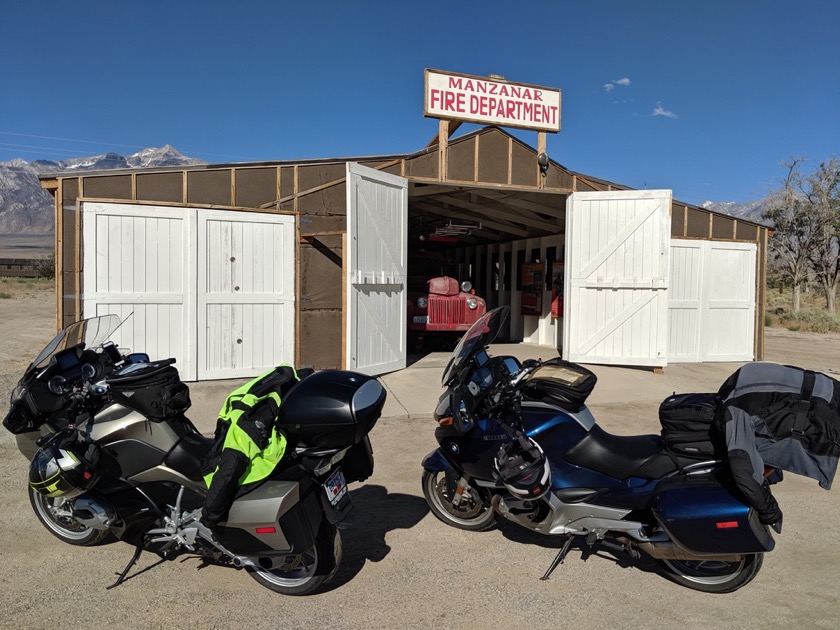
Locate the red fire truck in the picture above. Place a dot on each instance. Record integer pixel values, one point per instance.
(439, 306)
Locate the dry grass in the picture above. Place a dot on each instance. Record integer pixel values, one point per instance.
(11, 288)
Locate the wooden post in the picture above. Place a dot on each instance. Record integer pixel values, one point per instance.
(541, 148)
(443, 145)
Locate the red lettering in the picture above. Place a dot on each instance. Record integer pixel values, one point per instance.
(538, 95)
(455, 82)
(511, 108)
(459, 103)
(449, 101)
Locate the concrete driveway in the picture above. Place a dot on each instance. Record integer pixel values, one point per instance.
(402, 568)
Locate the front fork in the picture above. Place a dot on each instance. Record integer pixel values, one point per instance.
(456, 482)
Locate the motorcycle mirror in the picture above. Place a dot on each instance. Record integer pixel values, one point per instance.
(460, 415)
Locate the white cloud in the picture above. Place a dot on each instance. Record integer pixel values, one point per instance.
(609, 87)
(661, 111)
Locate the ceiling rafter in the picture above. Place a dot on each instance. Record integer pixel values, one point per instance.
(499, 213)
(449, 212)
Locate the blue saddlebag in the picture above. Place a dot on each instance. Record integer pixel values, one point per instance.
(703, 516)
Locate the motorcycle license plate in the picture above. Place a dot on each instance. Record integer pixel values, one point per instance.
(335, 486)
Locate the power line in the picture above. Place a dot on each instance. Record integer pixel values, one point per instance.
(104, 144)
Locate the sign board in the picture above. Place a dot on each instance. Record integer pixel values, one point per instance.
(492, 101)
(533, 285)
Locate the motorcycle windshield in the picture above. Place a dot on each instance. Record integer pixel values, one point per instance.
(480, 335)
(92, 332)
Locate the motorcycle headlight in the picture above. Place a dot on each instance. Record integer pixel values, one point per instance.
(472, 303)
(422, 302)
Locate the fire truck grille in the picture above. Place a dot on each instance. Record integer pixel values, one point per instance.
(447, 311)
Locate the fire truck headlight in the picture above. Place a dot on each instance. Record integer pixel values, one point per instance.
(422, 302)
(466, 287)
(472, 303)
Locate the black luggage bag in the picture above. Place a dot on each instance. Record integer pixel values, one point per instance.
(688, 426)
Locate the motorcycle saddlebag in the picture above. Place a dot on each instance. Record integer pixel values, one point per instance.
(705, 515)
(561, 383)
(154, 389)
(357, 463)
(688, 425)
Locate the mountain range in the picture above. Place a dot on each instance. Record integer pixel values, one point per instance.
(26, 208)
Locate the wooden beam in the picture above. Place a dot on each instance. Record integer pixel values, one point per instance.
(453, 125)
(450, 213)
(297, 194)
(497, 213)
(524, 204)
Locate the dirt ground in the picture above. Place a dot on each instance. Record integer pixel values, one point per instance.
(402, 568)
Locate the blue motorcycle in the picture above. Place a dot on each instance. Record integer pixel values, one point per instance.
(517, 441)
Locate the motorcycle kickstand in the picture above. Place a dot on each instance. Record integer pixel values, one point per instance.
(561, 555)
(134, 558)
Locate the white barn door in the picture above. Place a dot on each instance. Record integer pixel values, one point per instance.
(376, 258)
(137, 264)
(617, 269)
(213, 289)
(712, 301)
(246, 293)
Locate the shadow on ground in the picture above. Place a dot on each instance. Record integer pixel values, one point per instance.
(375, 513)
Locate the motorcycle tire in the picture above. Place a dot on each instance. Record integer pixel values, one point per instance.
(713, 576)
(473, 513)
(61, 524)
(302, 574)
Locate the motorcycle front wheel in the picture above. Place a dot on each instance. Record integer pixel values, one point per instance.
(55, 515)
(713, 576)
(472, 513)
(301, 574)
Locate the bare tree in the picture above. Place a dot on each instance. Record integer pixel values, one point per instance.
(794, 232)
(823, 195)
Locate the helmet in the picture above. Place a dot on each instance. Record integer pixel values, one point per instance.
(523, 468)
(64, 466)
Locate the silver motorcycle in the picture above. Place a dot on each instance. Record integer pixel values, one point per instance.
(115, 458)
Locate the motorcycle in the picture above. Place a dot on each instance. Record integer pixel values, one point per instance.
(116, 458)
(516, 443)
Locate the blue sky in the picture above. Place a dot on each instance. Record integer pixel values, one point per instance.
(707, 98)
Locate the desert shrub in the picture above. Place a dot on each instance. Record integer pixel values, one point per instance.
(810, 320)
(46, 267)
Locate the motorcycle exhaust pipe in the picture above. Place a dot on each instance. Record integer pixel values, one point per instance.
(668, 550)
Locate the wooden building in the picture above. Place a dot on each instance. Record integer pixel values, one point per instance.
(232, 268)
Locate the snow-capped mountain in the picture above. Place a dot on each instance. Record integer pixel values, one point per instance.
(751, 210)
(26, 208)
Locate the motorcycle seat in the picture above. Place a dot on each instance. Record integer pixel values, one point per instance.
(618, 456)
(188, 455)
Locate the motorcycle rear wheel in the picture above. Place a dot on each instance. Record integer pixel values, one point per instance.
(54, 514)
(473, 513)
(303, 573)
(713, 576)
